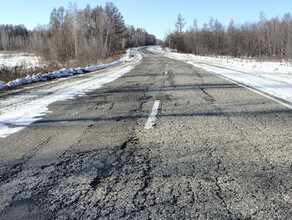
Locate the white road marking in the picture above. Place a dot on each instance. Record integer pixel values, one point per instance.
(152, 117)
(166, 72)
(254, 90)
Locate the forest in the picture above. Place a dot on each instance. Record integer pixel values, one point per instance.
(265, 39)
(85, 36)
(76, 36)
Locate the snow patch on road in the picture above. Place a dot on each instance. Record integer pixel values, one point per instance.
(5, 131)
(27, 107)
(155, 49)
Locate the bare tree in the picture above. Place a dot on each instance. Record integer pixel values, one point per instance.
(265, 38)
(180, 23)
(75, 36)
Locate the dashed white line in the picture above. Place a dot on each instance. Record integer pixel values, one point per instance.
(152, 117)
(166, 72)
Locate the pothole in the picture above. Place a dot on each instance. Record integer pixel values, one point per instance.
(145, 98)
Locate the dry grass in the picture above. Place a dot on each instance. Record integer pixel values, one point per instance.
(114, 57)
(20, 71)
(85, 63)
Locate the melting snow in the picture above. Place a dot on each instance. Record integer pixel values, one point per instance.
(273, 78)
(27, 107)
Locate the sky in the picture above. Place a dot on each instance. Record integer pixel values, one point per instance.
(156, 16)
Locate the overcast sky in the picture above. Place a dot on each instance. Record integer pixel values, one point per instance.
(156, 16)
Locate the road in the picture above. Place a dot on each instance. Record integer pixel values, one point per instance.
(214, 150)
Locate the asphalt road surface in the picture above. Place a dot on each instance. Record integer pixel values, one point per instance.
(215, 151)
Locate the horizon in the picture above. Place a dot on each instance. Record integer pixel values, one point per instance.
(155, 20)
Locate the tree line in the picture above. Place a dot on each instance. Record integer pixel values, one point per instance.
(73, 35)
(13, 37)
(270, 38)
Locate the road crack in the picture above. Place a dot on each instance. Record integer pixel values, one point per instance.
(12, 170)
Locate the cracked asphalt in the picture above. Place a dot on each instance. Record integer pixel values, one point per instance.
(217, 151)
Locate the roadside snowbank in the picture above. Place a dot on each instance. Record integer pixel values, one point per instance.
(94, 68)
(280, 71)
(63, 73)
(2, 85)
(273, 78)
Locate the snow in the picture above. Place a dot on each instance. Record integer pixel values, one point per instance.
(156, 49)
(2, 85)
(128, 55)
(63, 73)
(27, 59)
(272, 70)
(24, 108)
(273, 78)
(94, 68)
